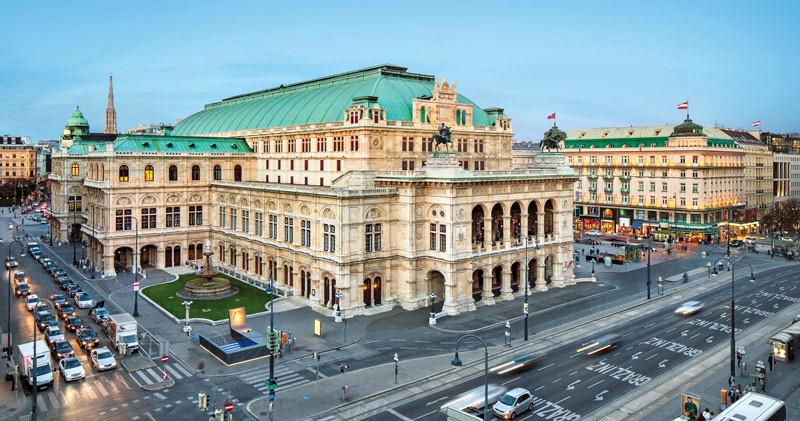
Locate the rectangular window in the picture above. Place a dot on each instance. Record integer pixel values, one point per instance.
(695, 188)
(694, 159)
(372, 240)
(641, 186)
(478, 146)
(641, 200)
(338, 144)
(273, 227)
(305, 233)
(75, 203)
(683, 174)
(278, 145)
(626, 199)
(291, 148)
(683, 187)
(223, 219)
(148, 218)
(195, 215)
(245, 221)
(694, 202)
(322, 145)
(625, 160)
(652, 200)
(288, 230)
(306, 145)
(173, 216)
(652, 186)
(694, 174)
(234, 219)
(124, 220)
(259, 227)
(608, 159)
(683, 159)
(433, 237)
(663, 187)
(354, 143)
(663, 160)
(683, 201)
(442, 238)
(329, 239)
(652, 159)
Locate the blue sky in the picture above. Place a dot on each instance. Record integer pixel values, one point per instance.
(596, 64)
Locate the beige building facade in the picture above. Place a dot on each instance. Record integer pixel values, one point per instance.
(18, 159)
(335, 189)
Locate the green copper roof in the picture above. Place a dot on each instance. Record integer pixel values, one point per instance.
(77, 119)
(647, 136)
(133, 143)
(319, 101)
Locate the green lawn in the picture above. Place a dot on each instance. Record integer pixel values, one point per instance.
(249, 297)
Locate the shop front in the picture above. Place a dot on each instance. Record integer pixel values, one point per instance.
(625, 219)
(608, 223)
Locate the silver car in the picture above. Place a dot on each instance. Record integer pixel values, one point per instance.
(513, 403)
(71, 369)
(690, 307)
(102, 359)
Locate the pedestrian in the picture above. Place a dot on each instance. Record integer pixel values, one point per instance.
(770, 360)
(763, 385)
(706, 414)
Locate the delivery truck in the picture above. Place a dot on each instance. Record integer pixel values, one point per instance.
(122, 329)
(39, 367)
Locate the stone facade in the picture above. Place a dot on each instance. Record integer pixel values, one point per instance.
(363, 207)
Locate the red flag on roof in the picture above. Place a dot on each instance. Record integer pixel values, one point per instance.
(683, 105)
(551, 116)
(756, 123)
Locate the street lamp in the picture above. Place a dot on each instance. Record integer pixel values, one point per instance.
(432, 316)
(649, 250)
(457, 363)
(135, 267)
(396, 361)
(271, 291)
(94, 239)
(74, 223)
(186, 327)
(593, 268)
(732, 379)
(8, 331)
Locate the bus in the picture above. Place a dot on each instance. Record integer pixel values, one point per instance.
(754, 407)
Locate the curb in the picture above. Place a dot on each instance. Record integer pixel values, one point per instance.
(160, 385)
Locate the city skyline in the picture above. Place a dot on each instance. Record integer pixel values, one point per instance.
(594, 66)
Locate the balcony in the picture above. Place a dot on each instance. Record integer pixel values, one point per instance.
(625, 177)
(608, 176)
(608, 189)
(626, 190)
(592, 188)
(592, 176)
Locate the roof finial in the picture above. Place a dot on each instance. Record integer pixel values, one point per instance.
(111, 113)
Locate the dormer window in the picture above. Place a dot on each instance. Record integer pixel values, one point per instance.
(233, 146)
(146, 144)
(354, 114)
(169, 145)
(191, 145)
(213, 146)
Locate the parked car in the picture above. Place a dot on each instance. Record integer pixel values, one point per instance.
(87, 338)
(62, 349)
(83, 300)
(61, 279)
(102, 359)
(31, 301)
(74, 323)
(58, 273)
(53, 333)
(71, 369)
(22, 290)
(513, 403)
(66, 285)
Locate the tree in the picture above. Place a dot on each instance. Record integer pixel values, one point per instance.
(785, 216)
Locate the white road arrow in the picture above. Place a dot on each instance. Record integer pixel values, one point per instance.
(571, 386)
(662, 364)
(775, 306)
(599, 396)
(635, 356)
(685, 333)
(753, 302)
(746, 320)
(710, 339)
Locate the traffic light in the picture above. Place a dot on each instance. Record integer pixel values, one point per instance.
(274, 340)
(202, 400)
(316, 356)
(343, 368)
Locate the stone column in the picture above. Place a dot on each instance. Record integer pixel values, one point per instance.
(508, 234)
(523, 229)
(487, 298)
(540, 227)
(558, 273)
(108, 268)
(488, 232)
(506, 293)
(541, 282)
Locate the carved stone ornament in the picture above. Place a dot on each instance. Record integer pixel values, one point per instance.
(124, 201)
(148, 200)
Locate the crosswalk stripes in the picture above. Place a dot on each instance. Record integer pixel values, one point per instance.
(154, 375)
(65, 394)
(286, 378)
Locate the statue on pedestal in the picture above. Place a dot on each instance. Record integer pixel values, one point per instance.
(552, 139)
(443, 137)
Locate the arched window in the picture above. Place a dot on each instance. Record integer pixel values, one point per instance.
(173, 173)
(75, 170)
(458, 116)
(422, 114)
(195, 172)
(123, 173)
(148, 173)
(237, 173)
(217, 172)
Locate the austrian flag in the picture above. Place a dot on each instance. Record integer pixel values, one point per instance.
(756, 123)
(683, 105)
(551, 116)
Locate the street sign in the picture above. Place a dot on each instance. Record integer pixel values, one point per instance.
(136, 286)
(164, 375)
(228, 406)
(271, 395)
(164, 358)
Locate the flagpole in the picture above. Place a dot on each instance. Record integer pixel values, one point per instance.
(687, 109)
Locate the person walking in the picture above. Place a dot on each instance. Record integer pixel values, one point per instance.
(771, 361)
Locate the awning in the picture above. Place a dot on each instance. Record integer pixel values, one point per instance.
(781, 337)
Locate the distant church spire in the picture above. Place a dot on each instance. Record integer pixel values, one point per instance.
(111, 114)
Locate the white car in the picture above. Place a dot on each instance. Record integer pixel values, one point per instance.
(593, 232)
(688, 308)
(83, 300)
(53, 333)
(71, 369)
(102, 359)
(31, 301)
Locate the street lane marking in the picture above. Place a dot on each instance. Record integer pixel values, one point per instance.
(174, 372)
(562, 400)
(40, 402)
(557, 380)
(573, 373)
(398, 415)
(652, 356)
(183, 370)
(650, 325)
(437, 400)
(101, 388)
(89, 390)
(548, 365)
(538, 388)
(153, 373)
(423, 416)
(160, 396)
(143, 377)
(595, 384)
(53, 400)
(512, 380)
(670, 330)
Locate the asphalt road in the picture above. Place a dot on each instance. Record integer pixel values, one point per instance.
(573, 385)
